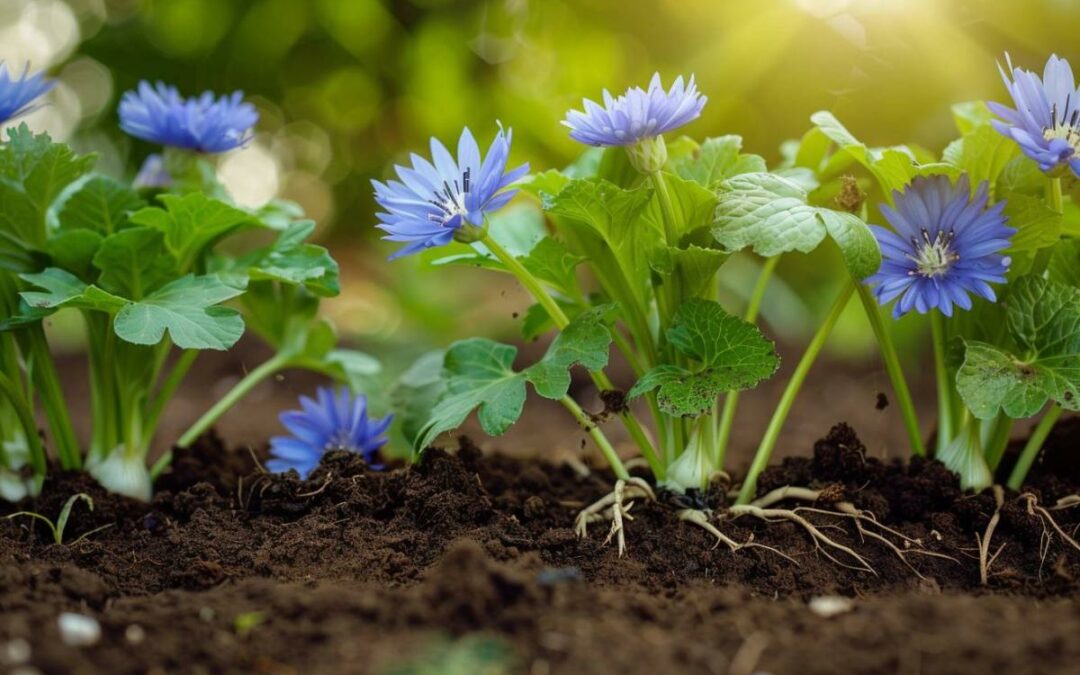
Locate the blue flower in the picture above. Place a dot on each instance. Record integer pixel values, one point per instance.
(1046, 121)
(334, 422)
(636, 115)
(17, 95)
(201, 123)
(436, 201)
(944, 245)
(153, 173)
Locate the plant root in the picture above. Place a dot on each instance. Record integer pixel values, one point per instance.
(701, 519)
(866, 524)
(1034, 509)
(985, 560)
(614, 506)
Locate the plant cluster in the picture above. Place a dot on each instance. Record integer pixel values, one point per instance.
(626, 247)
(158, 274)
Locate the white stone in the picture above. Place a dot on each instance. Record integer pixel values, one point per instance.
(78, 630)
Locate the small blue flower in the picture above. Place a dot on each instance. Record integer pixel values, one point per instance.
(17, 95)
(201, 123)
(1046, 121)
(153, 173)
(438, 200)
(944, 245)
(334, 422)
(636, 115)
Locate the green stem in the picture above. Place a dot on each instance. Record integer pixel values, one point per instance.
(26, 418)
(894, 369)
(1033, 447)
(945, 430)
(598, 437)
(731, 401)
(603, 383)
(47, 382)
(772, 433)
(265, 370)
(1055, 201)
(168, 390)
(998, 441)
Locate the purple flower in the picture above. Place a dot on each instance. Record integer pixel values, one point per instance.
(636, 115)
(438, 200)
(202, 123)
(944, 245)
(1046, 120)
(17, 95)
(334, 422)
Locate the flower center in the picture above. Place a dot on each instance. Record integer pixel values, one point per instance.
(341, 439)
(933, 257)
(1066, 126)
(451, 199)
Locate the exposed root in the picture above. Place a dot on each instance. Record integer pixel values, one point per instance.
(865, 522)
(1066, 503)
(822, 542)
(1047, 518)
(985, 561)
(701, 519)
(615, 506)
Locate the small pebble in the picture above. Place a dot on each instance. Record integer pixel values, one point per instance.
(78, 630)
(134, 634)
(15, 652)
(828, 606)
(207, 614)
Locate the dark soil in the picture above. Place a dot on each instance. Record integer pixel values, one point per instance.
(468, 564)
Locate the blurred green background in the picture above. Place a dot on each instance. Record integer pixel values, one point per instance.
(348, 87)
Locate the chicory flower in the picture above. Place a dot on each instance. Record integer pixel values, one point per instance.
(1046, 120)
(944, 245)
(157, 113)
(335, 421)
(17, 95)
(446, 198)
(638, 119)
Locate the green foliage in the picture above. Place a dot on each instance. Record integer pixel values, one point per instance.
(715, 160)
(729, 354)
(770, 215)
(1042, 364)
(480, 376)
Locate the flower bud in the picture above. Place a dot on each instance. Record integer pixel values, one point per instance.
(648, 155)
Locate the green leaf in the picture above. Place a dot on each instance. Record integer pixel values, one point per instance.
(188, 309)
(771, 215)
(731, 354)
(585, 341)
(693, 206)
(1064, 264)
(695, 266)
(717, 159)
(480, 376)
(33, 173)
(893, 168)
(971, 115)
(983, 154)
(74, 250)
(1043, 319)
(101, 205)
(134, 263)
(291, 260)
(1037, 224)
(552, 262)
(601, 222)
(192, 224)
(416, 393)
(63, 289)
